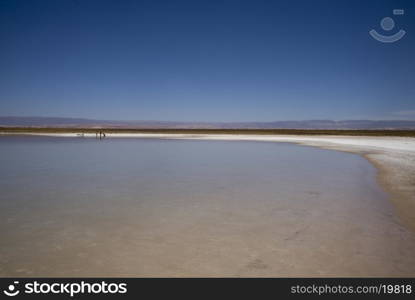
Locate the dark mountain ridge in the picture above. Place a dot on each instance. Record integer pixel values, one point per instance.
(56, 122)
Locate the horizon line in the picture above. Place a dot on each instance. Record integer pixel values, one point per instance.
(204, 122)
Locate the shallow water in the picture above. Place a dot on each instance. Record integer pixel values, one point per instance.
(147, 207)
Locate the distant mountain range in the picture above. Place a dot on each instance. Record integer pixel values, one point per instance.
(46, 122)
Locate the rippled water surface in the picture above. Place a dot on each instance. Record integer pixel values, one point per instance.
(147, 207)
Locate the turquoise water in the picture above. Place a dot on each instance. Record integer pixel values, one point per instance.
(148, 207)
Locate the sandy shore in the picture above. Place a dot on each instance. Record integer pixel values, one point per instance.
(393, 156)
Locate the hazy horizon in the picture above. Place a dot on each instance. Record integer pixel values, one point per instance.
(54, 122)
(205, 121)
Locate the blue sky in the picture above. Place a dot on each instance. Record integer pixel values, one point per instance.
(205, 60)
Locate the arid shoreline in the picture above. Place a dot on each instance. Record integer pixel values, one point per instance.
(214, 131)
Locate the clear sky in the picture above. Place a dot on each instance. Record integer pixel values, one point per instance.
(206, 60)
